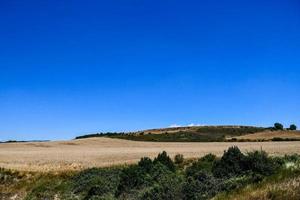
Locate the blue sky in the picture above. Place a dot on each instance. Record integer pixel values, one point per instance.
(74, 67)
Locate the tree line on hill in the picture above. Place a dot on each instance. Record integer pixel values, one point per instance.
(279, 126)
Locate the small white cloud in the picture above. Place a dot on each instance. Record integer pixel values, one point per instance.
(189, 125)
(174, 126)
(192, 124)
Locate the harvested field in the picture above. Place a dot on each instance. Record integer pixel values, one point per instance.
(269, 135)
(98, 152)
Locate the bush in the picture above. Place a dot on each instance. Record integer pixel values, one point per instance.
(278, 126)
(239, 182)
(96, 182)
(146, 164)
(97, 191)
(203, 164)
(293, 127)
(201, 186)
(208, 158)
(164, 159)
(178, 159)
(130, 178)
(259, 163)
(231, 164)
(146, 174)
(168, 186)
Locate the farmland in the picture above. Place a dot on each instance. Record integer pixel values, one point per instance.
(232, 175)
(101, 152)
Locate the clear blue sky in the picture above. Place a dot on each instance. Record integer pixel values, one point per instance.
(74, 67)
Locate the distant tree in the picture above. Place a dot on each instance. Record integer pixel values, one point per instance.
(278, 126)
(293, 127)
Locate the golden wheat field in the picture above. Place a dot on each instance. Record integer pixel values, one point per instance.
(268, 135)
(99, 152)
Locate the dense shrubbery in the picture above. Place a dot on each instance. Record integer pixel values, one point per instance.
(162, 178)
(202, 179)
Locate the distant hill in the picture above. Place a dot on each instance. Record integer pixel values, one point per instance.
(184, 134)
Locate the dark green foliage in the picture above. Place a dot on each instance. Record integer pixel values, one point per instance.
(203, 164)
(164, 159)
(208, 158)
(108, 134)
(260, 163)
(292, 158)
(278, 139)
(132, 177)
(146, 164)
(231, 164)
(144, 175)
(51, 187)
(293, 127)
(168, 186)
(178, 159)
(278, 126)
(200, 186)
(95, 182)
(230, 184)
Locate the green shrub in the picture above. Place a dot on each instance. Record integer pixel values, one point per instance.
(95, 182)
(164, 159)
(259, 162)
(203, 164)
(178, 159)
(208, 158)
(292, 158)
(167, 187)
(231, 164)
(130, 178)
(200, 186)
(144, 175)
(234, 183)
(146, 164)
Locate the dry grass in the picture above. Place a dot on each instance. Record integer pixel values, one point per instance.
(269, 135)
(97, 152)
(281, 189)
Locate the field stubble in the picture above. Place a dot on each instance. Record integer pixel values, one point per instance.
(100, 152)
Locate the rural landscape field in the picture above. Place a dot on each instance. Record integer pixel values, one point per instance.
(106, 151)
(103, 166)
(149, 100)
(99, 152)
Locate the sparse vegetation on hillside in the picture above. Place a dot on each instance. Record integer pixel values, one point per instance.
(184, 134)
(162, 178)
